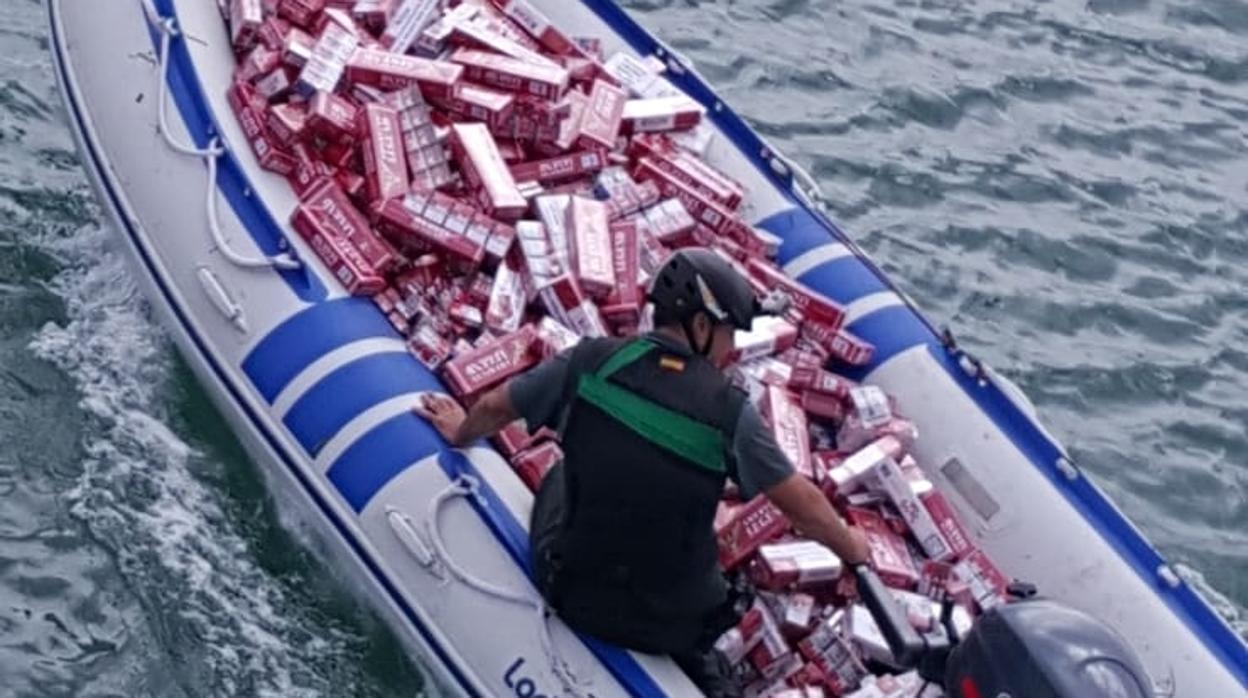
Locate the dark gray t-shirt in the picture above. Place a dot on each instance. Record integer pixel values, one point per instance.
(538, 396)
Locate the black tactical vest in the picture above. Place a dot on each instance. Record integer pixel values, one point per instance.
(646, 439)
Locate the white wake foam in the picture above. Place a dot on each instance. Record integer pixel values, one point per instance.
(228, 626)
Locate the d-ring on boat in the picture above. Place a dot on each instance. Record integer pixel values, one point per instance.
(318, 386)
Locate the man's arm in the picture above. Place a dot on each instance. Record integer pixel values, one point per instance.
(811, 513)
(763, 467)
(536, 395)
(488, 415)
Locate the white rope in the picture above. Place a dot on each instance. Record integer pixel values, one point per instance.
(468, 486)
(210, 155)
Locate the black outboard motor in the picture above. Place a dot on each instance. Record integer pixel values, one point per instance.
(1035, 648)
(1042, 649)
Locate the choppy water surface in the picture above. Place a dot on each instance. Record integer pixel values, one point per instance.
(1065, 183)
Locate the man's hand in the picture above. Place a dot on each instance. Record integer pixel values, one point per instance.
(490, 413)
(443, 412)
(862, 550)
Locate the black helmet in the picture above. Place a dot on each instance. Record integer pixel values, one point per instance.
(698, 280)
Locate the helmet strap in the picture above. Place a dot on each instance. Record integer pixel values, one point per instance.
(705, 348)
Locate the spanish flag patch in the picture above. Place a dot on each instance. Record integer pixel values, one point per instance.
(672, 363)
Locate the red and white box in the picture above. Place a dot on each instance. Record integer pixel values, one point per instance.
(544, 113)
(851, 349)
(796, 613)
(333, 118)
(505, 310)
(668, 221)
(640, 77)
(429, 347)
(300, 12)
(705, 211)
(801, 563)
(945, 518)
(675, 113)
(391, 71)
(324, 67)
(555, 337)
(814, 379)
(385, 161)
(852, 434)
(865, 634)
(331, 207)
(568, 304)
(275, 86)
(560, 168)
(492, 107)
(890, 557)
(246, 16)
(589, 231)
(988, 586)
(854, 471)
(260, 61)
(920, 522)
(395, 220)
(248, 109)
(272, 34)
(408, 21)
(810, 303)
(701, 178)
(823, 406)
(600, 121)
(548, 81)
(502, 237)
(769, 335)
(473, 372)
(286, 123)
(297, 47)
(772, 645)
(536, 25)
(512, 439)
(827, 634)
(372, 14)
(737, 642)
(342, 259)
(569, 129)
(756, 523)
(478, 34)
(626, 298)
(533, 464)
(789, 426)
(484, 169)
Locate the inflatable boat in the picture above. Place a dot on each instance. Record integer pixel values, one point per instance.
(318, 386)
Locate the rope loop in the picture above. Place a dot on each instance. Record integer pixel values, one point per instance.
(469, 486)
(215, 150)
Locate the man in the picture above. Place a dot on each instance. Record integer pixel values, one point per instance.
(651, 429)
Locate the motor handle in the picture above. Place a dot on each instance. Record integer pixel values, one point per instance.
(906, 644)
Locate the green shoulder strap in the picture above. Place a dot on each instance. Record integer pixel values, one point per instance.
(688, 438)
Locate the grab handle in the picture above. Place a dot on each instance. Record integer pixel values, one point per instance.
(907, 646)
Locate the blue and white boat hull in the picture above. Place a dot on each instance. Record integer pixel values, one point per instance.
(318, 386)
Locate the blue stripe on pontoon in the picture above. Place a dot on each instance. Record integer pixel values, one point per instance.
(798, 230)
(233, 183)
(892, 330)
(844, 280)
(349, 390)
(381, 455)
(307, 336)
(113, 199)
